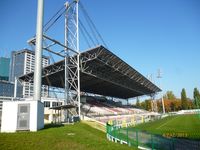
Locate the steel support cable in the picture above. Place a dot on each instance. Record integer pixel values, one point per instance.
(45, 30)
(84, 29)
(93, 25)
(84, 36)
(88, 20)
(54, 16)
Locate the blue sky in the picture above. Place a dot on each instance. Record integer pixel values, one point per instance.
(148, 34)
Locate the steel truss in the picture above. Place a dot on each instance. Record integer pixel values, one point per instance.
(70, 52)
(122, 71)
(104, 66)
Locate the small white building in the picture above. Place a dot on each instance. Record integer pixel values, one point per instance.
(10, 107)
(22, 115)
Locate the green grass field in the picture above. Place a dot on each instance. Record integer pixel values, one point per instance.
(75, 137)
(186, 126)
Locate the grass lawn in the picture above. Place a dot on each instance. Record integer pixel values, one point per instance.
(178, 126)
(77, 137)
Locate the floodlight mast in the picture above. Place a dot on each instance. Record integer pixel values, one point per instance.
(38, 52)
(163, 105)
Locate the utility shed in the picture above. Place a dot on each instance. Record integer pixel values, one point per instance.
(22, 116)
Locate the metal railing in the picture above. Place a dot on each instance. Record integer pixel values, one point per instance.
(145, 140)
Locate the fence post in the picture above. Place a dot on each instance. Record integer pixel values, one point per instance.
(152, 144)
(114, 131)
(137, 138)
(173, 142)
(106, 128)
(127, 140)
(117, 133)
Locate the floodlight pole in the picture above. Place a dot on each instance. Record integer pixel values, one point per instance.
(66, 64)
(38, 52)
(163, 105)
(78, 60)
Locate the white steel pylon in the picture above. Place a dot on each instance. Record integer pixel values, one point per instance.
(72, 58)
(69, 51)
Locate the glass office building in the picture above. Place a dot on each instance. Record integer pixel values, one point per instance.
(23, 62)
(4, 68)
(6, 89)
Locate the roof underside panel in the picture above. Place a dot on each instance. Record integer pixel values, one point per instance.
(102, 73)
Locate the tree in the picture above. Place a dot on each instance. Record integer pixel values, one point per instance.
(143, 105)
(184, 104)
(148, 105)
(173, 106)
(196, 96)
(138, 103)
(159, 105)
(169, 95)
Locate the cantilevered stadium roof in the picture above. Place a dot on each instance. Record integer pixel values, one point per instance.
(101, 72)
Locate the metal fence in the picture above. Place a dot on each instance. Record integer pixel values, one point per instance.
(145, 140)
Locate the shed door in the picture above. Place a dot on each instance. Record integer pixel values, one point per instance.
(23, 116)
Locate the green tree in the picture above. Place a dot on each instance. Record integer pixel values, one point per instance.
(138, 103)
(142, 105)
(172, 106)
(159, 105)
(184, 104)
(196, 96)
(148, 105)
(169, 95)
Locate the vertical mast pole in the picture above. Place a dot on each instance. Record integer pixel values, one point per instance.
(66, 101)
(66, 56)
(78, 59)
(161, 93)
(38, 52)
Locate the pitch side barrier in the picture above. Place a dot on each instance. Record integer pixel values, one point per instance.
(125, 133)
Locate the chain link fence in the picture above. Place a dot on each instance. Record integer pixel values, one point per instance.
(144, 140)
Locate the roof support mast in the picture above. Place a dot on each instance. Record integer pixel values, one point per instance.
(72, 76)
(66, 63)
(78, 60)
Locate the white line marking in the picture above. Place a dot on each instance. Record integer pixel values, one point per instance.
(167, 122)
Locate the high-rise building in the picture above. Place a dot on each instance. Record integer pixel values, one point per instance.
(6, 89)
(4, 68)
(23, 62)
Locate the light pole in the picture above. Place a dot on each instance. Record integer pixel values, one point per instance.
(163, 105)
(38, 52)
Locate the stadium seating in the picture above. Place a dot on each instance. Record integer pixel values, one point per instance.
(106, 110)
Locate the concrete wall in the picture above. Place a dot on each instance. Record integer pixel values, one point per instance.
(9, 115)
(40, 122)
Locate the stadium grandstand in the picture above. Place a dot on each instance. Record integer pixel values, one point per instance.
(94, 72)
(101, 73)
